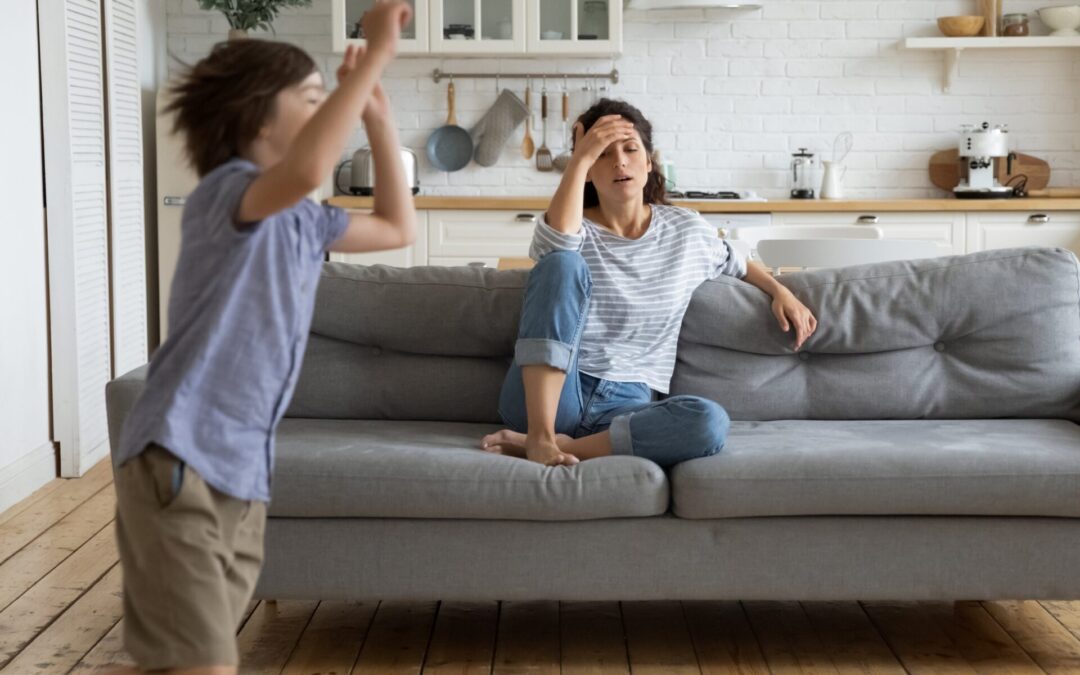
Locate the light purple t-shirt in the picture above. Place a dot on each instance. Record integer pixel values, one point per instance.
(239, 314)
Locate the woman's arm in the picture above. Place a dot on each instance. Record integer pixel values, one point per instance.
(392, 223)
(567, 205)
(789, 311)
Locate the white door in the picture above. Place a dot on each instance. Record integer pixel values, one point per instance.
(126, 195)
(73, 102)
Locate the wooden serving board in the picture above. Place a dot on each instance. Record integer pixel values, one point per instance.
(945, 170)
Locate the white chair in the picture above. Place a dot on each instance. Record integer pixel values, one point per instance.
(752, 235)
(804, 253)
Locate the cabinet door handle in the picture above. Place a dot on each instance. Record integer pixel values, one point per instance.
(1039, 219)
(174, 201)
(867, 220)
(477, 264)
(525, 218)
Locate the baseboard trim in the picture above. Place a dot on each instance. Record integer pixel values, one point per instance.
(22, 477)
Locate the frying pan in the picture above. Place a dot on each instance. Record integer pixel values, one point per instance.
(449, 148)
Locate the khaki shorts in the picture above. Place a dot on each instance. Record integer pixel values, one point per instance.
(191, 556)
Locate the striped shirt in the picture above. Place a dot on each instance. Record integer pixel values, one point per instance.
(641, 289)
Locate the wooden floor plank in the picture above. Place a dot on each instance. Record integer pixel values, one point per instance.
(24, 569)
(1038, 633)
(658, 639)
(464, 639)
(24, 618)
(332, 641)
(109, 651)
(31, 499)
(920, 643)
(788, 639)
(59, 647)
(592, 639)
(723, 639)
(528, 642)
(271, 634)
(982, 641)
(28, 523)
(851, 640)
(1067, 613)
(398, 638)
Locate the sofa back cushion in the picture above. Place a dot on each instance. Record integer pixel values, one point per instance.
(990, 334)
(421, 343)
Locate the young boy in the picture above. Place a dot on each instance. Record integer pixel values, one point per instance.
(196, 453)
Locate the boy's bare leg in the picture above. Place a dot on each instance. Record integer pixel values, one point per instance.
(543, 387)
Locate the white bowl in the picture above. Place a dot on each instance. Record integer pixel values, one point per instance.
(551, 35)
(1063, 20)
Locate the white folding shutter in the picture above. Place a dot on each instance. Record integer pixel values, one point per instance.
(77, 221)
(127, 226)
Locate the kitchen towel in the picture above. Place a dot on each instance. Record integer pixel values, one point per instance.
(494, 128)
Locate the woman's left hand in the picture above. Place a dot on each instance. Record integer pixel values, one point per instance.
(790, 312)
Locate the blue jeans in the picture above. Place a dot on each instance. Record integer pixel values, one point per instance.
(553, 315)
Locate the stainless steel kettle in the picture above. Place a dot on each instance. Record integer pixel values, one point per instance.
(363, 171)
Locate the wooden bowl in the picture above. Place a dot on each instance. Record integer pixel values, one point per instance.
(960, 26)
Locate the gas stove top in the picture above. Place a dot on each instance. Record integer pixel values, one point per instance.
(717, 196)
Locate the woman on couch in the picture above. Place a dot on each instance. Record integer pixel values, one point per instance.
(617, 265)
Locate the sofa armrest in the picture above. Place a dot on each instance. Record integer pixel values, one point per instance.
(120, 397)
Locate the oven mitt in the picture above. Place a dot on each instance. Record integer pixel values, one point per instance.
(495, 127)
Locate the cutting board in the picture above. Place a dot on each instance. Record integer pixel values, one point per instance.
(945, 170)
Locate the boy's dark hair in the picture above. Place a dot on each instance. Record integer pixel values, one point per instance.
(223, 100)
(654, 192)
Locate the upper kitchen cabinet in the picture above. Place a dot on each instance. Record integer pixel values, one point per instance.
(347, 29)
(497, 27)
(477, 27)
(575, 27)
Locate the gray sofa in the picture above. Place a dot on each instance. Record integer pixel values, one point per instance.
(924, 446)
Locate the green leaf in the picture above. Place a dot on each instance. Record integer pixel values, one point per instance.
(251, 14)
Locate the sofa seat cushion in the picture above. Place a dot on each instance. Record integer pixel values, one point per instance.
(387, 469)
(979, 467)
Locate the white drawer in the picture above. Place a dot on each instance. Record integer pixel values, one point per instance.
(481, 234)
(463, 261)
(1024, 228)
(946, 228)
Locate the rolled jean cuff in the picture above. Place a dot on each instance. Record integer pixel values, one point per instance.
(540, 351)
(622, 443)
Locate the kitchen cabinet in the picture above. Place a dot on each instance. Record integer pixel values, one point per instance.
(477, 26)
(345, 16)
(496, 27)
(945, 228)
(1011, 229)
(480, 235)
(410, 256)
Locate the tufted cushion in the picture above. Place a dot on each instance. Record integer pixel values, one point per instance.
(991, 334)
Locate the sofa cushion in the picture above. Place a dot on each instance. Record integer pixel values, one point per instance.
(381, 469)
(985, 335)
(920, 467)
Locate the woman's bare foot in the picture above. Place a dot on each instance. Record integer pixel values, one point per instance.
(512, 443)
(546, 451)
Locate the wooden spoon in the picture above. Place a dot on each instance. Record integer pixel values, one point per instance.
(527, 145)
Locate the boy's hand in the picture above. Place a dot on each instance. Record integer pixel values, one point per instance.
(378, 106)
(383, 24)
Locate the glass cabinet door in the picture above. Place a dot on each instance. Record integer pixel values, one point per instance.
(575, 26)
(477, 26)
(347, 28)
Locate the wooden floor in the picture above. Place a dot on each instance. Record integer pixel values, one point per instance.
(60, 611)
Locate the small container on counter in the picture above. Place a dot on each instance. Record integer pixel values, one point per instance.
(1015, 25)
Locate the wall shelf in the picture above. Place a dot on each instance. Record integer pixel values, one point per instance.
(954, 46)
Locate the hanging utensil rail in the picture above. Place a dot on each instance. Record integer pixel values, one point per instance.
(613, 76)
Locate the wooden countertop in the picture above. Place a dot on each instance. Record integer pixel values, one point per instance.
(426, 203)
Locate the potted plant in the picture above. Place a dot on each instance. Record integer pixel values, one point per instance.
(245, 15)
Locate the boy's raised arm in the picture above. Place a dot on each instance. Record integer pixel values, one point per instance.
(318, 146)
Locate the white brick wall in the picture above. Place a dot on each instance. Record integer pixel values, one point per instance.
(730, 95)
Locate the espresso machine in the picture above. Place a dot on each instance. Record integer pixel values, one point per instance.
(980, 147)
